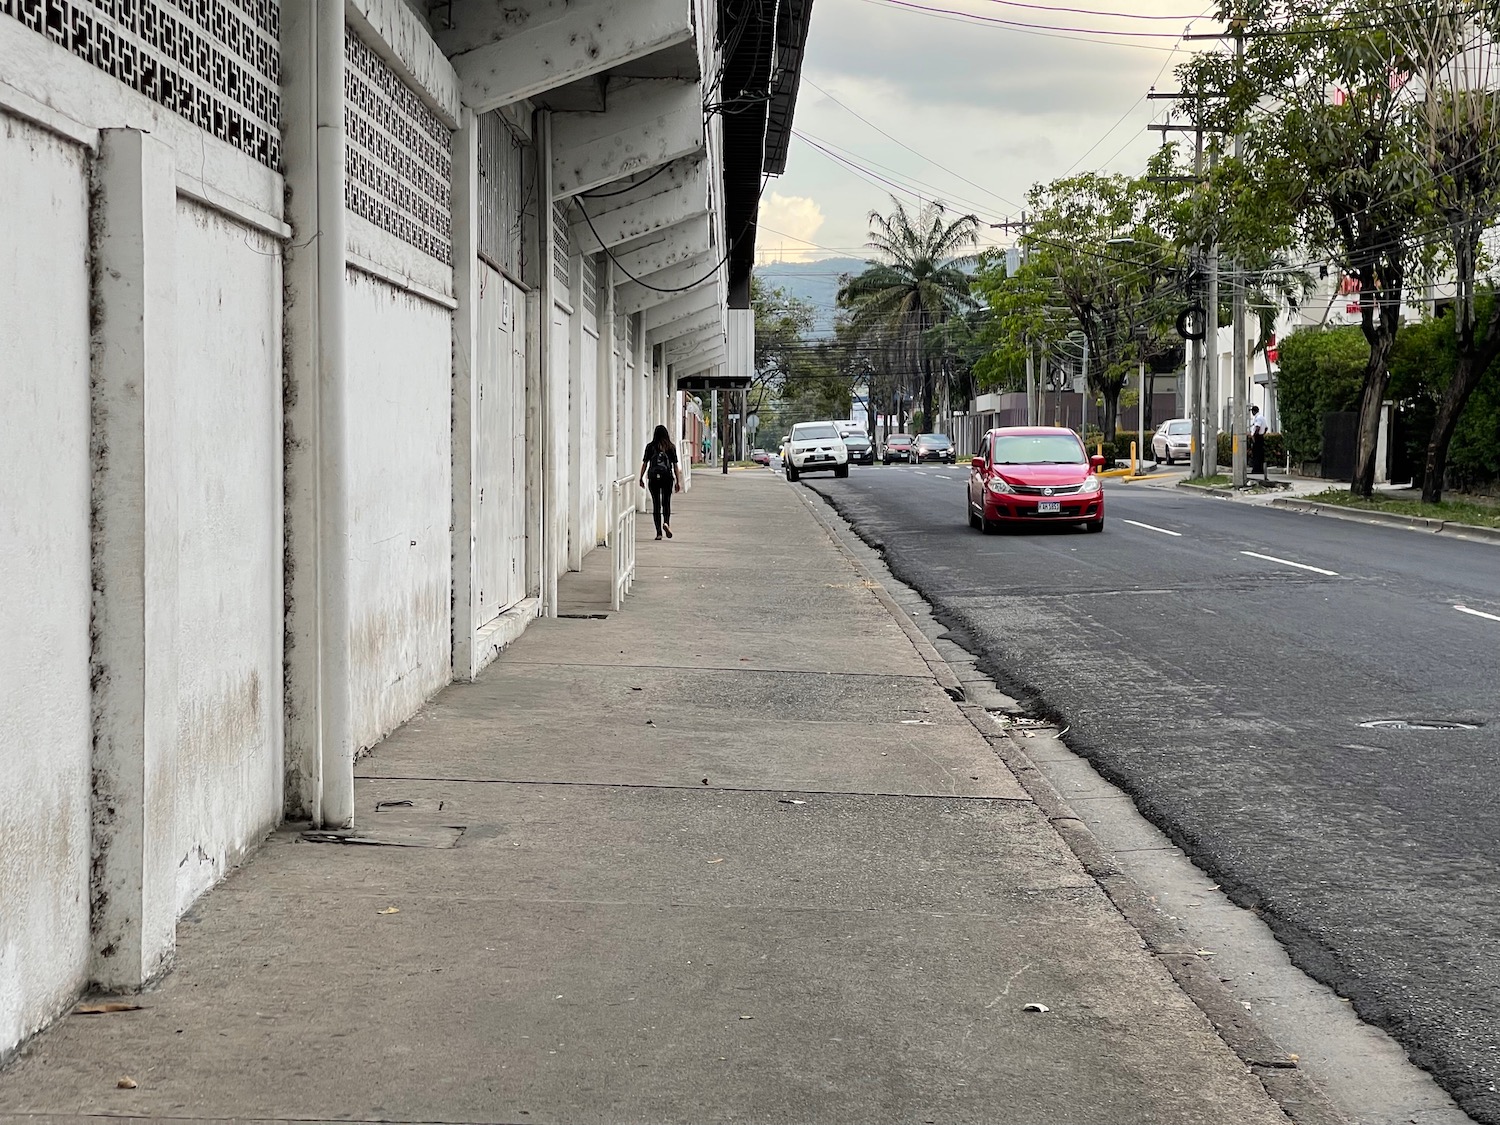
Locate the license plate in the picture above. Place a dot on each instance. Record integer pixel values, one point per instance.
(1048, 507)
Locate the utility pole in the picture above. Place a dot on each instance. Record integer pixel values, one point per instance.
(1030, 386)
(1211, 339)
(1238, 400)
(1199, 389)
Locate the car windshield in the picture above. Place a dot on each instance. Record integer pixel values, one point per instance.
(813, 431)
(899, 437)
(856, 439)
(1179, 428)
(1039, 449)
(939, 441)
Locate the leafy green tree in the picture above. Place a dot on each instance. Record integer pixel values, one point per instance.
(1328, 157)
(1454, 59)
(1021, 310)
(782, 323)
(917, 282)
(1321, 371)
(1094, 249)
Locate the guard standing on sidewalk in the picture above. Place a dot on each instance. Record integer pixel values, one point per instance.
(1258, 430)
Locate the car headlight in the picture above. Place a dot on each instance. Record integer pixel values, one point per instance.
(1001, 486)
(1090, 485)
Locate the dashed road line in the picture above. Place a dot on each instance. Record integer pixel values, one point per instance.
(1151, 527)
(1477, 613)
(1289, 562)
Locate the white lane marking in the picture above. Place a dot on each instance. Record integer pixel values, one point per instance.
(1289, 562)
(920, 473)
(1476, 613)
(1151, 527)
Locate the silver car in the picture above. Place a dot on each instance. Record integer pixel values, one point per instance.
(1172, 440)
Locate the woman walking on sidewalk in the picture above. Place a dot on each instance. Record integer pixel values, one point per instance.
(659, 464)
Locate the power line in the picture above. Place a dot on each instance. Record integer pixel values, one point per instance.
(970, 18)
(908, 148)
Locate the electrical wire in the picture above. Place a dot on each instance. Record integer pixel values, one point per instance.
(907, 147)
(970, 18)
(828, 148)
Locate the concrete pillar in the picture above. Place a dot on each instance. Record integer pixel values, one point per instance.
(465, 387)
(577, 534)
(319, 749)
(606, 404)
(536, 264)
(133, 886)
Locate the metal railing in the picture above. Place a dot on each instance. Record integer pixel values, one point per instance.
(622, 539)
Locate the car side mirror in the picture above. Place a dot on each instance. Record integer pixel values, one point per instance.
(978, 462)
(1096, 462)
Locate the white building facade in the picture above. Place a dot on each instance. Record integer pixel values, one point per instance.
(326, 327)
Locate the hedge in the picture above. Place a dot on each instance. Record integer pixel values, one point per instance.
(1275, 449)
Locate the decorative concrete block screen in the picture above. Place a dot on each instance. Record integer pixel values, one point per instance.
(398, 155)
(560, 248)
(214, 62)
(590, 285)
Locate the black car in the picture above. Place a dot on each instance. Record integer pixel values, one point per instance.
(861, 452)
(931, 447)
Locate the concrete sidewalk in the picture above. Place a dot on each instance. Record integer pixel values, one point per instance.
(732, 854)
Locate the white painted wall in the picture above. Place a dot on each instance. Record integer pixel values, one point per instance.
(44, 577)
(229, 565)
(399, 349)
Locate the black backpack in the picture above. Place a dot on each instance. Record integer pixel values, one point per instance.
(661, 463)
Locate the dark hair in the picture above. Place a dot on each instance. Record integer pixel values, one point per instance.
(663, 440)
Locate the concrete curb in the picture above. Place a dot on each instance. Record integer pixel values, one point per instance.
(1389, 519)
(1207, 490)
(1283, 1080)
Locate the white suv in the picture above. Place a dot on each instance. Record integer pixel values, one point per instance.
(815, 447)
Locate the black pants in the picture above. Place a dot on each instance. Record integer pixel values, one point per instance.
(661, 500)
(1258, 454)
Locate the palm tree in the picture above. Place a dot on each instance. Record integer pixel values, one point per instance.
(918, 282)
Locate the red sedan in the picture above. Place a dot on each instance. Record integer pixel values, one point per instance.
(1034, 474)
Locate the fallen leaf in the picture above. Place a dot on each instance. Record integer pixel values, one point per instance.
(747, 1017)
(390, 910)
(719, 860)
(126, 1083)
(705, 781)
(105, 1007)
(791, 801)
(1207, 953)
(1035, 1008)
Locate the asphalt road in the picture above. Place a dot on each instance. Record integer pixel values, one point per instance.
(1216, 660)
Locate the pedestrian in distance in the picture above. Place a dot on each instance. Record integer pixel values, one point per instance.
(659, 466)
(1258, 430)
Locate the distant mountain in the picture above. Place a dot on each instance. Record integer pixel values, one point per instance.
(817, 283)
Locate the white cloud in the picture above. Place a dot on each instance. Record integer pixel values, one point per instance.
(992, 109)
(788, 228)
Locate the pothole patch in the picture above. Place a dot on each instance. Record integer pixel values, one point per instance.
(1419, 724)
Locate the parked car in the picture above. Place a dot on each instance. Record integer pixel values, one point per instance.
(1172, 440)
(1034, 474)
(760, 456)
(861, 452)
(897, 447)
(931, 447)
(815, 447)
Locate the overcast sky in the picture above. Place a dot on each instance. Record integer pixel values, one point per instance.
(984, 104)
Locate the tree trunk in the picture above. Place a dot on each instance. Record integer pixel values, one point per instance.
(1377, 379)
(927, 395)
(1473, 361)
(1111, 411)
